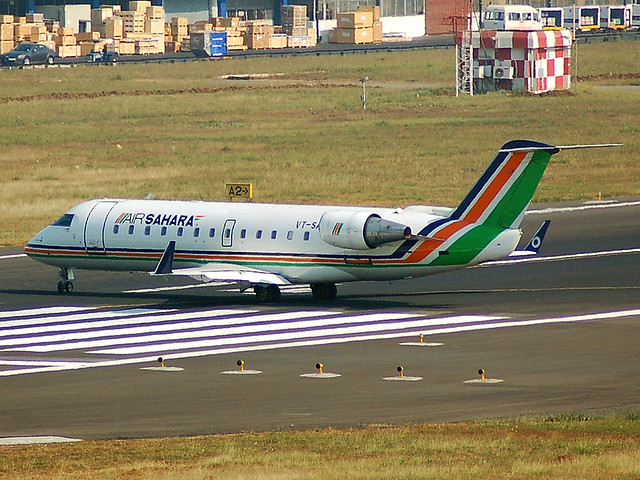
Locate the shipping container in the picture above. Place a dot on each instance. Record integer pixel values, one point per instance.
(209, 44)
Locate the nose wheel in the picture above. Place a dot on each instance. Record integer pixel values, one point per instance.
(65, 285)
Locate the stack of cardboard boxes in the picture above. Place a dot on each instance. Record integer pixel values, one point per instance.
(6, 33)
(176, 33)
(294, 25)
(361, 26)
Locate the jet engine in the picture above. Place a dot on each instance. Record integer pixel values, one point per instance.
(360, 230)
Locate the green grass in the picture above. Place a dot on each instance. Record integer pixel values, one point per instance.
(558, 447)
(179, 131)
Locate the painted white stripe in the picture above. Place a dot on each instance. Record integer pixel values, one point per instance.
(17, 255)
(402, 323)
(558, 258)
(589, 206)
(40, 311)
(145, 319)
(15, 325)
(82, 340)
(311, 342)
(38, 439)
(35, 363)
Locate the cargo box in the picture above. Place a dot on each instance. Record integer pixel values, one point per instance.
(127, 47)
(355, 20)
(6, 46)
(303, 41)
(354, 35)
(278, 41)
(35, 18)
(65, 40)
(377, 31)
(155, 12)
(100, 15)
(182, 21)
(154, 26)
(114, 28)
(374, 10)
(66, 51)
(88, 36)
(6, 32)
(139, 6)
(258, 41)
(6, 19)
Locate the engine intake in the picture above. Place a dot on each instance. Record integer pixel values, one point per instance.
(360, 230)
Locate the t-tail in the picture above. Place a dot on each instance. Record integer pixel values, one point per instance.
(505, 189)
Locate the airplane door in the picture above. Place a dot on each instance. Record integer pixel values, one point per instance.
(227, 233)
(94, 227)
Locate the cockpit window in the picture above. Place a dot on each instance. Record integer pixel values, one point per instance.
(64, 221)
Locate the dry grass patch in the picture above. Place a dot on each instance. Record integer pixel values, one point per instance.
(309, 143)
(564, 448)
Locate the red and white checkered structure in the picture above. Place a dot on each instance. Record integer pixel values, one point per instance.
(541, 60)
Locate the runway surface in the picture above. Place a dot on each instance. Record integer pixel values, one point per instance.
(561, 331)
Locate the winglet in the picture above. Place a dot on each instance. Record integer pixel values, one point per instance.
(165, 265)
(533, 247)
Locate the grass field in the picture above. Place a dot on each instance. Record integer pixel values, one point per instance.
(179, 131)
(567, 447)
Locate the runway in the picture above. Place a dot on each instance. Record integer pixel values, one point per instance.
(560, 331)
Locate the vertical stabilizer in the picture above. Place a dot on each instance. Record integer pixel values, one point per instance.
(505, 189)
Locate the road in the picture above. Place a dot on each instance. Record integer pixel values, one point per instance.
(539, 326)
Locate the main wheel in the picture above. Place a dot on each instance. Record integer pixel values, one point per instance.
(49, 60)
(68, 286)
(26, 61)
(324, 291)
(268, 294)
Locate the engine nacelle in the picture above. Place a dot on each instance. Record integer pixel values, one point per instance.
(360, 230)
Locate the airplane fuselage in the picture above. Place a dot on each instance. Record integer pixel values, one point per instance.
(131, 235)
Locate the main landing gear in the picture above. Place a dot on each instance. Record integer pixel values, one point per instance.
(271, 293)
(324, 291)
(267, 293)
(65, 285)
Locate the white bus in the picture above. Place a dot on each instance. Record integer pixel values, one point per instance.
(511, 17)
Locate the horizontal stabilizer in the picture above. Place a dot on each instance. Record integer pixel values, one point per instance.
(533, 247)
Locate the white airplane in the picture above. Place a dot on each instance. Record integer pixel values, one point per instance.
(267, 246)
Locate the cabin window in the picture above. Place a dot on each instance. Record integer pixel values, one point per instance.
(526, 16)
(180, 231)
(64, 220)
(212, 232)
(243, 233)
(274, 234)
(514, 16)
(196, 232)
(259, 234)
(163, 232)
(131, 229)
(147, 230)
(116, 228)
(306, 236)
(290, 235)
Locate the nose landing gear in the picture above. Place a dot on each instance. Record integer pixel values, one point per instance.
(65, 285)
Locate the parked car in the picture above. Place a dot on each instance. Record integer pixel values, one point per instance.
(28, 54)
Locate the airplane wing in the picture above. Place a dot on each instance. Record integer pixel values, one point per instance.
(212, 272)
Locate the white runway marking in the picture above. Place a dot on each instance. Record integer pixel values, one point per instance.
(583, 207)
(139, 335)
(34, 440)
(17, 255)
(558, 258)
